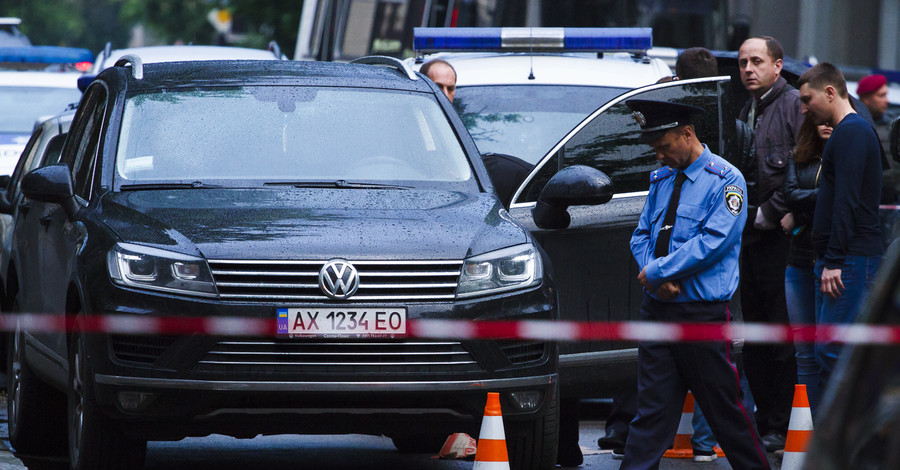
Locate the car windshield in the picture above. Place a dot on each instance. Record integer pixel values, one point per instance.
(264, 135)
(526, 120)
(21, 106)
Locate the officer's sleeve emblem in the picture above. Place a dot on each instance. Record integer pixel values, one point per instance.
(734, 198)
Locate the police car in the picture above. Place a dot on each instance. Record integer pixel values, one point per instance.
(29, 92)
(555, 98)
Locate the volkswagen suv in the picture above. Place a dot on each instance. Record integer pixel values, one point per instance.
(336, 201)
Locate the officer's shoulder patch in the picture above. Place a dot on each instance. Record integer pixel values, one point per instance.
(661, 173)
(734, 198)
(717, 169)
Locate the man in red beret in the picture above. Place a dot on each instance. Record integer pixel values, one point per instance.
(873, 92)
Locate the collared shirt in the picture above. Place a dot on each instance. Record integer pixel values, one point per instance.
(706, 238)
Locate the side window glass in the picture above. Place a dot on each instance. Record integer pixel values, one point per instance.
(86, 138)
(24, 162)
(610, 141)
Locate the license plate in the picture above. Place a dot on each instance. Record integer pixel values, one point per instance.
(342, 322)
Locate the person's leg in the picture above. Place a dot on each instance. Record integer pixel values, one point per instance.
(709, 372)
(660, 398)
(568, 453)
(771, 368)
(857, 275)
(623, 411)
(800, 293)
(703, 442)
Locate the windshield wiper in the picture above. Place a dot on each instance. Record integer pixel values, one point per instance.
(152, 186)
(341, 184)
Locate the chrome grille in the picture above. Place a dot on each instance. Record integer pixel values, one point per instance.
(299, 280)
(338, 356)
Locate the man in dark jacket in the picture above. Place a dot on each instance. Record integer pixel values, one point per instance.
(774, 114)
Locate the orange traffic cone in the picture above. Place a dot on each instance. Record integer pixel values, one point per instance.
(682, 448)
(490, 453)
(799, 432)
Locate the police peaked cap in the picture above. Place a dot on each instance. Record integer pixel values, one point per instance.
(657, 117)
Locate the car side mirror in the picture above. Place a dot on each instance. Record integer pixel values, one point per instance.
(4, 181)
(577, 185)
(51, 184)
(895, 139)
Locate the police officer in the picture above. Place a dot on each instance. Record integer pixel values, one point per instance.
(687, 244)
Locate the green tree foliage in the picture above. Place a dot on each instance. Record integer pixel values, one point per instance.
(93, 23)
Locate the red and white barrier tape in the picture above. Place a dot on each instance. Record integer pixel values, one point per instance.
(464, 329)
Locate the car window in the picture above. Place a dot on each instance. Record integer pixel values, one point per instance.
(526, 121)
(270, 134)
(24, 163)
(86, 139)
(609, 141)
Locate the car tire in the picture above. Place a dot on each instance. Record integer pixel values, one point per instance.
(95, 443)
(419, 443)
(36, 411)
(532, 444)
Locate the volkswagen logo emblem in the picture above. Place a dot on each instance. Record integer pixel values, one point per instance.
(338, 279)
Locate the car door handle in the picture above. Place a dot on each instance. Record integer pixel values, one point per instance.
(45, 220)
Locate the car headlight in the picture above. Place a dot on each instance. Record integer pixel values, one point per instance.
(151, 268)
(511, 268)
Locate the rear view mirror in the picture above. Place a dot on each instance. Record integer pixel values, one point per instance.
(577, 185)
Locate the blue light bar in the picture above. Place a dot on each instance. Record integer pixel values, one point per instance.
(45, 54)
(428, 40)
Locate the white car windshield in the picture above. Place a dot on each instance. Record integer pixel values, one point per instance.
(21, 106)
(287, 134)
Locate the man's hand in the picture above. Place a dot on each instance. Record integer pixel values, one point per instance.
(668, 290)
(831, 282)
(642, 278)
(788, 223)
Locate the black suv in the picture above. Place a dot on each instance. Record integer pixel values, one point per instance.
(284, 191)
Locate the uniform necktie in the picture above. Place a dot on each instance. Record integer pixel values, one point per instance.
(665, 233)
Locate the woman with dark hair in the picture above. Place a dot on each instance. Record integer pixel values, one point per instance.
(800, 187)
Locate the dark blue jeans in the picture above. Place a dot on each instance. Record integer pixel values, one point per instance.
(800, 293)
(857, 275)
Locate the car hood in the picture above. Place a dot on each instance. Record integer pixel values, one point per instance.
(313, 224)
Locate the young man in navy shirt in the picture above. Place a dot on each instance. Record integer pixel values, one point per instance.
(846, 229)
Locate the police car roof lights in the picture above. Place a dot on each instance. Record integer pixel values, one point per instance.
(635, 40)
(45, 54)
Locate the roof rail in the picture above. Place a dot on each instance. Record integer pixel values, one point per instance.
(137, 65)
(398, 64)
(275, 49)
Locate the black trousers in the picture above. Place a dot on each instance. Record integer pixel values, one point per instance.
(771, 368)
(666, 371)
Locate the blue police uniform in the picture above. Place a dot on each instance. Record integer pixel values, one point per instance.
(702, 256)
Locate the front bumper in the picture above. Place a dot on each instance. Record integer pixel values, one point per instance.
(195, 385)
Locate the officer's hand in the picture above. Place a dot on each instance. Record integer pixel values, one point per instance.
(642, 278)
(788, 223)
(668, 290)
(831, 282)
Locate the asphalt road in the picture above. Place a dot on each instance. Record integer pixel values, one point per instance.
(322, 452)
